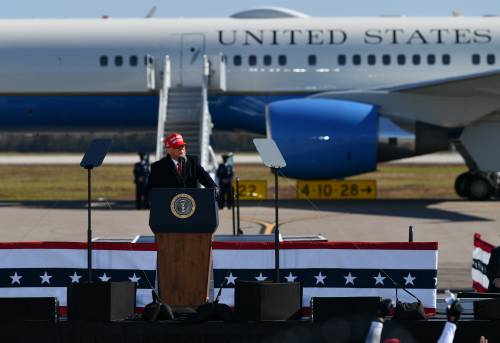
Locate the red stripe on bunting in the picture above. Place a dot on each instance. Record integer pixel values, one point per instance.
(478, 287)
(327, 245)
(228, 245)
(79, 245)
(480, 243)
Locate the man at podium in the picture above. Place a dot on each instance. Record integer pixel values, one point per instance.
(177, 169)
(183, 219)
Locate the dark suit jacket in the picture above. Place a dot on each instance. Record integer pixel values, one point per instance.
(164, 174)
(493, 269)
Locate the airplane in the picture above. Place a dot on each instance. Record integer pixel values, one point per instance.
(338, 95)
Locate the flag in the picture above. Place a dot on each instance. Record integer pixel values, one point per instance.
(46, 269)
(480, 258)
(333, 269)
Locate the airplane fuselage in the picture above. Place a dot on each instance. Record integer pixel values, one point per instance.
(91, 73)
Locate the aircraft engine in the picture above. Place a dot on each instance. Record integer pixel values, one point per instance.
(322, 139)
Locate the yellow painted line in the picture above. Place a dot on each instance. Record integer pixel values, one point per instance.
(268, 229)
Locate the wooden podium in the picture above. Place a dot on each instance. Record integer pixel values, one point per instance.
(183, 221)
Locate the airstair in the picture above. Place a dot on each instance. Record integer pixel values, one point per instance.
(185, 110)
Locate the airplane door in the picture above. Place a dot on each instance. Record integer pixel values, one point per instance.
(192, 50)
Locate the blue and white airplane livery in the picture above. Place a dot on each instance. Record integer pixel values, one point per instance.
(338, 95)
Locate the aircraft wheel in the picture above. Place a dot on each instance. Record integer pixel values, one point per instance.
(461, 184)
(479, 188)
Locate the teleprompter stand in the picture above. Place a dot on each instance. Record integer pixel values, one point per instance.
(102, 301)
(93, 158)
(257, 300)
(183, 221)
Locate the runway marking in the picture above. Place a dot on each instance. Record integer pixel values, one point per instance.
(269, 227)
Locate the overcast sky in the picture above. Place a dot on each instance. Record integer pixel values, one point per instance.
(222, 8)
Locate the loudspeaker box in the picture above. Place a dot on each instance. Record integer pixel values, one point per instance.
(324, 308)
(257, 300)
(39, 309)
(487, 309)
(101, 301)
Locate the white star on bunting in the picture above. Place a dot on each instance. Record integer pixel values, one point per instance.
(16, 278)
(379, 279)
(320, 278)
(230, 279)
(104, 277)
(260, 277)
(290, 277)
(134, 278)
(75, 278)
(45, 278)
(350, 279)
(409, 279)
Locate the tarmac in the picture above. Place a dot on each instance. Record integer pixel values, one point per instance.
(239, 158)
(451, 223)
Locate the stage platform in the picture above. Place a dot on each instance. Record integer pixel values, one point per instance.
(340, 330)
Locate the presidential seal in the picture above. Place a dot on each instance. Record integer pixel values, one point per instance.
(183, 206)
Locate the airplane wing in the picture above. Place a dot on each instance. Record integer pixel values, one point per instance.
(485, 83)
(449, 102)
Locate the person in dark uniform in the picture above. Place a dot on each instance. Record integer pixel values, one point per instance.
(225, 174)
(177, 169)
(493, 271)
(141, 176)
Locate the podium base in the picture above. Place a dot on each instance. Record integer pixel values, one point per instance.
(184, 268)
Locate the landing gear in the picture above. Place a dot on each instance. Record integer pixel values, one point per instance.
(476, 185)
(461, 184)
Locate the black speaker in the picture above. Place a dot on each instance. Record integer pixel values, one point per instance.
(324, 308)
(102, 301)
(487, 309)
(40, 309)
(257, 300)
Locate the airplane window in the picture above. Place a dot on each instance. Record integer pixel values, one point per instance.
(386, 59)
(476, 59)
(103, 60)
(372, 60)
(252, 60)
(490, 59)
(356, 60)
(446, 59)
(133, 60)
(237, 60)
(401, 59)
(118, 61)
(415, 59)
(341, 60)
(282, 60)
(431, 59)
(267, 60)
(311, 59)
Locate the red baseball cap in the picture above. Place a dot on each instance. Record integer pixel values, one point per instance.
(174, 141)
(391, 340)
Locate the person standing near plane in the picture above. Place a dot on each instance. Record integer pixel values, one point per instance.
(225, 174)
(177, 169)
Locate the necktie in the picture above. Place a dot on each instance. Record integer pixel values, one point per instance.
(179, 168)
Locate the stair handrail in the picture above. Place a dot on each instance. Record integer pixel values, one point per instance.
(162, 109)
(205, 120)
